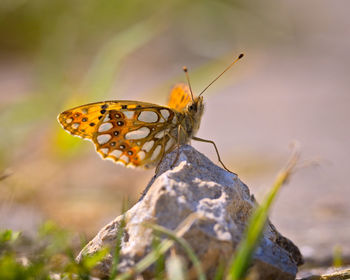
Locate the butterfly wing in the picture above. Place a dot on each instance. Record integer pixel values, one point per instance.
(128, 132)
(179, 97)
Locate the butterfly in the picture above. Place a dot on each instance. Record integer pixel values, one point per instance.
(139, 134)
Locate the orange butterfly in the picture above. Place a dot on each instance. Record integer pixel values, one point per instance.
(135, 133)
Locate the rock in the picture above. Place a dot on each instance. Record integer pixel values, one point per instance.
(326, 273)
(223, 202)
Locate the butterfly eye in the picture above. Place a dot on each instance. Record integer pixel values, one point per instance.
(193, 107)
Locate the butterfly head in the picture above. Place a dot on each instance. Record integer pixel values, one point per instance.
(196, 107)
(195, 111)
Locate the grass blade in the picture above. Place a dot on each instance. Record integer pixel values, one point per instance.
(164, 246)
(116, 255)
(185, 245)
(242, 259)
(160, 263)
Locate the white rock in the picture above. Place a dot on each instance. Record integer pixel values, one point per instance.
(195, 184)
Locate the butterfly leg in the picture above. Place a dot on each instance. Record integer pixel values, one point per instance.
(216, 149)
(163, 153)
(177, 146)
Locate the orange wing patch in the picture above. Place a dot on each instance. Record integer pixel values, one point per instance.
(179, 97)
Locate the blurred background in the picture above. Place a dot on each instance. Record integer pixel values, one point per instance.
(293, 84)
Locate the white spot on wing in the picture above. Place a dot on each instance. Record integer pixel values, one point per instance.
(75, 125)
(111, 159)
(148, 146)
(169, 144)
(138, 134)
(156, 152)
(105, 127)
(104, 151)
(141, 155)
(69, 120)
(125, 158)
(148, 116)
(116, 153)
(129, 114)
(161, 133)
(165, 113)
(103, 139)
(174, 120)
(106, 119)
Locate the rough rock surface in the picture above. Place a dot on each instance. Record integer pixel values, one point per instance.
(224, 204)
(325, 273)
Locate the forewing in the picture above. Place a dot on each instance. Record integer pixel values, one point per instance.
(179, 97)
(128, 132)
(82, 121)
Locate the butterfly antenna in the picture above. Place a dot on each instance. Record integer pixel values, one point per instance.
(228, 67)
(188, 81)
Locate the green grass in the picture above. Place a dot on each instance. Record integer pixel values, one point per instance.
(242, 259)
(52, 251)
